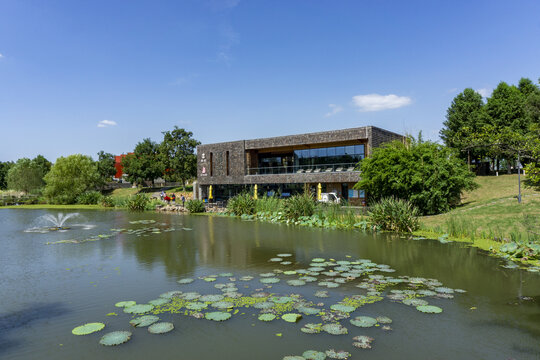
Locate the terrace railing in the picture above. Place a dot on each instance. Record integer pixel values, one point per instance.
(303, 169)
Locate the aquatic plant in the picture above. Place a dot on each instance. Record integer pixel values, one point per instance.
(344, 308)
(211, 298)
(271, 280)
(430, 309)
(138, 309)
(291, 317)
(341, 354)
(186, 281)
(125, 304)
(313, 355)
(414, 302)
(310, 328)
(267, 317)
(335, 329)
(160, 301)
(195, 206)
(217, 316)
(362, 342)
(383, 320)
(196, 305)
(115, 338)
(88, 328)
(160, 328)
(363, 321)
(144, 321)
(223, 305)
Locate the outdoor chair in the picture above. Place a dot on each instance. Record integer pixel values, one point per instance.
(339, 168)
(351, 168)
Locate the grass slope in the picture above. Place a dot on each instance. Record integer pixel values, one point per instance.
(491, 211)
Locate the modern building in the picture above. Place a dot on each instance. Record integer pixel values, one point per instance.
(286, 165)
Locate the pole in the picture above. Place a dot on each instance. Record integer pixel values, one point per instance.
(519, 180)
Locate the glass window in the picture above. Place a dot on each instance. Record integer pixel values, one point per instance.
(349, 150)
(331, 151)
(340, 150)
(359, 149)
(322, 152)
(313, 153)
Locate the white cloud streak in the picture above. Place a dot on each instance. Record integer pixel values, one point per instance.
(334, 109)
(376, 102)
(106, 123)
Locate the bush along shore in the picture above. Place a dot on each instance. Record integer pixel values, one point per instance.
(388, 214)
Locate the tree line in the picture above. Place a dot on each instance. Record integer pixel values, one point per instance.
(65, 181)
(498, 130)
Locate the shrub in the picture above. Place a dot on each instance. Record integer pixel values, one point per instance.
(107, 201)
(299, 205)
(89, 198)
(267, 204)
(241, 204)
(138, 202)
(195, 206)
(393, 214)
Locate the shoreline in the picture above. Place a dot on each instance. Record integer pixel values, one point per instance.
(491, 247)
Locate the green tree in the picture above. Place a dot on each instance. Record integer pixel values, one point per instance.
(144, 164)
(25, 175)
(4, 168)
(505, 108)
(177, 152)
(70, 177)
(429, 175)
(43, 163)
(465, 115)
(532, 100)
(105, 165)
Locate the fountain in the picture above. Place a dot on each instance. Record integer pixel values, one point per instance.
(49, 222)
(58, 220)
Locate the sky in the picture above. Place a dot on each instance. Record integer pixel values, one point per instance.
(83, 76)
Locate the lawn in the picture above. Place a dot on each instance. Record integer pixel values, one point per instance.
(491, 211)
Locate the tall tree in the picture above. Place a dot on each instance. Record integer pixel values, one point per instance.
(25, 175)
(505, 108)
(4, 168)
(144, 164)
(532, 101)
(105, 166)
(70, 177)
(177, 152)
(465, 115)
(43, 163)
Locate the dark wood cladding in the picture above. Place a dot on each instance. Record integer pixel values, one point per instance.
(244, 153)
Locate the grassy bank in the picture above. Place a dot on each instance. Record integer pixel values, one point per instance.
(59, 207)
(491, 211)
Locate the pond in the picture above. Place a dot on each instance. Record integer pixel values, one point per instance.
(49, 286)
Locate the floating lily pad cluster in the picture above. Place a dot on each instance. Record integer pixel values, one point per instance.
(370, 283)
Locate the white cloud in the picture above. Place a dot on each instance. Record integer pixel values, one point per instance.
(106, 123)
(1, 56)
(376, 102)
(334, 109)
(485, 92)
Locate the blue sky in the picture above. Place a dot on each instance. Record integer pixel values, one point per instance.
(240, 69)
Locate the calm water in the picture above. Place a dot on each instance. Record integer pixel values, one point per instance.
(47, 290)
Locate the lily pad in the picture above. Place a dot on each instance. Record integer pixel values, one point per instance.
(115, 338)
(311, 328)
(321, 294)
(186, 281)
(218, 316)
(270, 280)
(414, 302)
(340, 354)
(285, 263)
(344, 308)
(264, 305)
(314, 355)
(125, 304)
(430, 309)
(362, 342)
(189, 296)
(160, 328)
(289, 272)
(222, 305)
(284, 255)
(291, 317)
(267, 317)
(296, 282)
(211, 298)
(335, 329)
(197, 306)
(276, 259)
(383, 320)
(88, 328)
(158, 302)
(170, 294)
(139, 309)
(363, 321)
(318, 260)
(144, 321)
